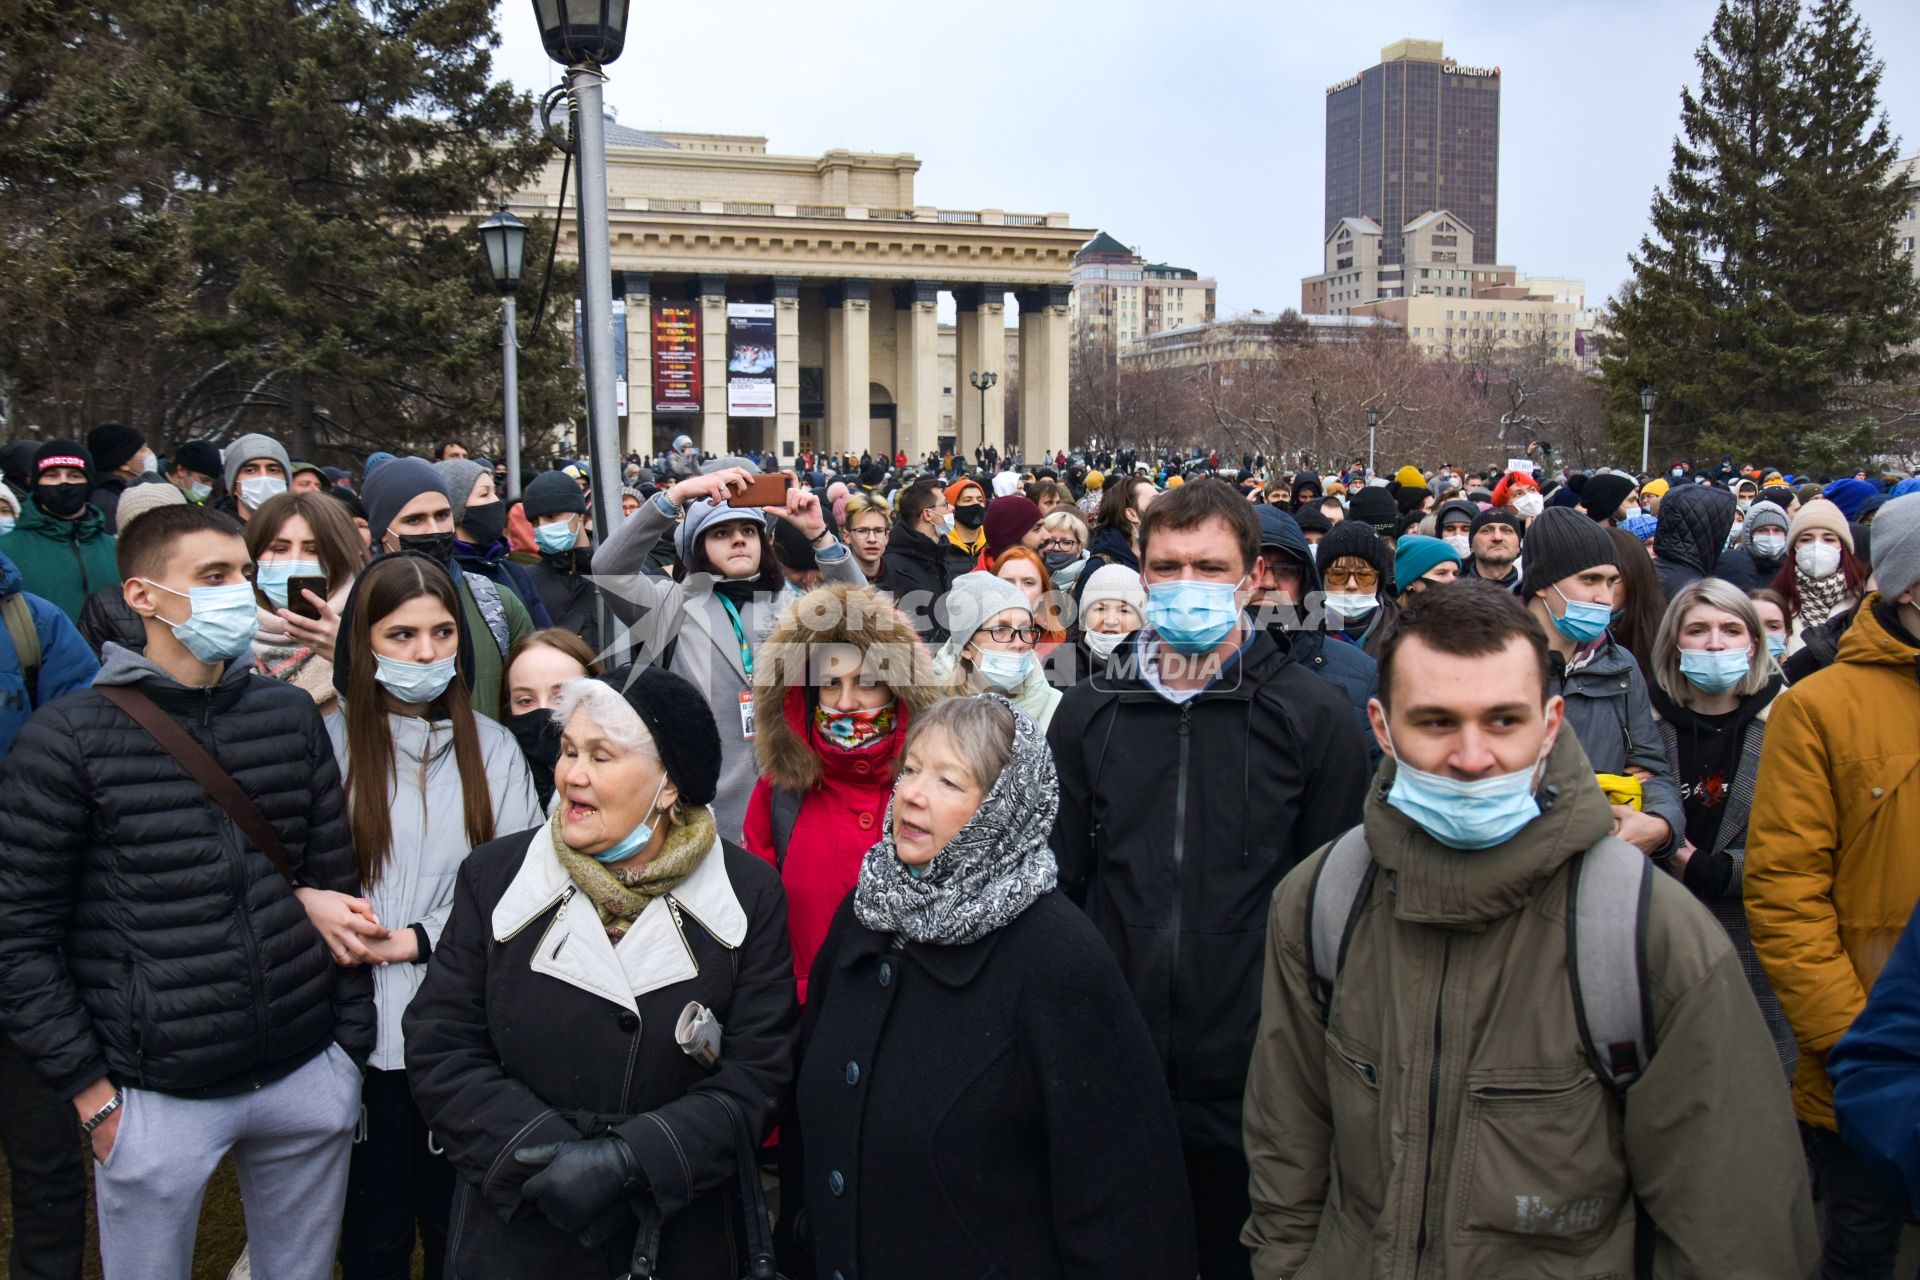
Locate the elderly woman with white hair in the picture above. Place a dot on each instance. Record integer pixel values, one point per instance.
(990, 646)
(706, 623)
(608, 1023)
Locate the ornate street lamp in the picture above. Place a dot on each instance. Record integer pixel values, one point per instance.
(1373, 426)
(981, 382)
(1647, 396)
(577, 31)
(505, 239)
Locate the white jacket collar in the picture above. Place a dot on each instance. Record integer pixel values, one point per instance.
(654, 953)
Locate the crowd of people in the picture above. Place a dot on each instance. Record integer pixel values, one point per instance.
(1116, 865)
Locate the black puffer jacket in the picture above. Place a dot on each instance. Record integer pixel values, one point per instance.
(106, 616)
(567, 592)
(1175, 824)
(918, 572)
(1694, 522)
(141, 935)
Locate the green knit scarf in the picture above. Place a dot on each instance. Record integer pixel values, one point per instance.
(620, 891)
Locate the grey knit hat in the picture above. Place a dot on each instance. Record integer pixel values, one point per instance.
(553, 493)
(1561, 543)
(704, 514)
(246, 449)
(1896, 546)
(142, 498)
(1763, 515)
(461, 474)
(972, 601)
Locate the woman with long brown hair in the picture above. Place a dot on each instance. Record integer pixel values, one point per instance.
(292, 536)
(1639, 604)
(426, 781)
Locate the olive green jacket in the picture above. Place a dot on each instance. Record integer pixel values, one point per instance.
(1446, 1121)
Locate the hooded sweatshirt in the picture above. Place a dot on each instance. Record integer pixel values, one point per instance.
(1694, 522)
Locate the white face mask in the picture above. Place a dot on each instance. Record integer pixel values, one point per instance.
(1102, 643)
(1817, 559)
(1529, 504)
(255, 490)
(1770, 546)
(1460, 542)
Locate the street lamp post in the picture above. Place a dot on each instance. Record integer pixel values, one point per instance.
(981, 382)
(505, 238)
(1647, 396)
(1373, 427)
(584, 36)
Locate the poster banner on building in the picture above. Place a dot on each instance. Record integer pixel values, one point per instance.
(618, 320)
(676, 358)
(750, 360)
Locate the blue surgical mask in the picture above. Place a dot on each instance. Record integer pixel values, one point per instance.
(415, 682)
(271, 577)
(1714, 670)
(222, 623)
(1004, 671)
(1776, 645)
(635, 840)
(1465, 815)
(255, 490)
(1583, 622)
(554, 538)
(1191, 616)
(7, 523)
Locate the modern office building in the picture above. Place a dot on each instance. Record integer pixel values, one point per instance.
(1120, 297)
(1416, 133)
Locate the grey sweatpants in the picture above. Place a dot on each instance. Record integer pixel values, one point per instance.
(290, 1142)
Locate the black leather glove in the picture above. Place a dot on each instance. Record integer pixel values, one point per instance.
(582, 1185)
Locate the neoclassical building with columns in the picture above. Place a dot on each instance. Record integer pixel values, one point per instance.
(853, 271)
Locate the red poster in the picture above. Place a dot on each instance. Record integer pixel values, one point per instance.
(676, 358)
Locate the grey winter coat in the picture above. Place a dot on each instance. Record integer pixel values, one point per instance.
(1608, 710)
(705, 651)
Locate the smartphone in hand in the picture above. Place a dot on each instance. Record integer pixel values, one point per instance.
(297, 601)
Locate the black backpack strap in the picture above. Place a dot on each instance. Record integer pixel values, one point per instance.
(1340, 886)
(785, 807)
(1609, 889)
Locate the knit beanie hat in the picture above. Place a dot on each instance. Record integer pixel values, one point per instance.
(1896, 546)
(246, 449)
(1113, 582)
(1763, 515)
(1415, 555)
(1654, 488)
(1455, 510)
(1312, 518)
(113, 445)
(1848, 495)
(681, 725)
(1820, 514)
(959, 487)
(1352, 538)
(552, 494)
(198, 455)
(461, 474)
(1374, 506)
(1096, 481)
(61, 453)
(1561, 543)
(142, 498)
(1498, 515)
(1009, 519)
(1410, 496)
(393, 486)
(1605, 492)
(974, 600)
(1410, 477)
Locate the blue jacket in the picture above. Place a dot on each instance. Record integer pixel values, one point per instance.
(66, 663)
(514, 578)
(1875, 1071)
(1347, 665)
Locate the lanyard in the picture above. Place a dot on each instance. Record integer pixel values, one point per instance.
(739, 634)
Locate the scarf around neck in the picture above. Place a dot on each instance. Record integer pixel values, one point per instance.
(994, 868)
(1819, 597)
(620, 891)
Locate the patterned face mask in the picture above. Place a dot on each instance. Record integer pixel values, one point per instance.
(852, 730)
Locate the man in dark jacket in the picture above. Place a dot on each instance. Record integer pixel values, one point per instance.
(557, 510)
(918, 568)
(120, 459)
(1694, 522)
(1761, 549)
(1194, 773)
(1494, 540)
(1286, 579)
(156, 968)
(61, 545)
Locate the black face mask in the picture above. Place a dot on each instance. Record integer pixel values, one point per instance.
(486, 523)
(61, 501)
(539, 739)
(970, 517)
(437, 546)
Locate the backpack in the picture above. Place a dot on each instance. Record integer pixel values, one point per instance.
(1608, 890)
(26, 641)
(785, 812)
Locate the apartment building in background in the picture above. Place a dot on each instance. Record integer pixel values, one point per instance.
(1119, 297)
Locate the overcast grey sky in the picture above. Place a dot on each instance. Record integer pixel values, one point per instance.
(1193, 131)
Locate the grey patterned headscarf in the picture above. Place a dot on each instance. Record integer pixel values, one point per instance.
(994, 867)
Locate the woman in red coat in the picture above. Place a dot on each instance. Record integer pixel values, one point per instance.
(835, 685)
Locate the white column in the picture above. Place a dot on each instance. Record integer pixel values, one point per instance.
(713, 359)
(638, 434)
(917, 366)
(850, 366)
(966, 359)
(990, 303)
(786, 378)
(1043, 370)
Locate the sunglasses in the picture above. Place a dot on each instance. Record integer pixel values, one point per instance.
(1361, 577)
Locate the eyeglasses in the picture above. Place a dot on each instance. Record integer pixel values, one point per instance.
(1360, 577)
(1060, 544)
(881, 532)
(1006, 635)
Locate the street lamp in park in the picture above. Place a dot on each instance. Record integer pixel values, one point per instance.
(1647, 396)
(1373, 426)
(505, 238)
(584, 36)
(981, 382)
